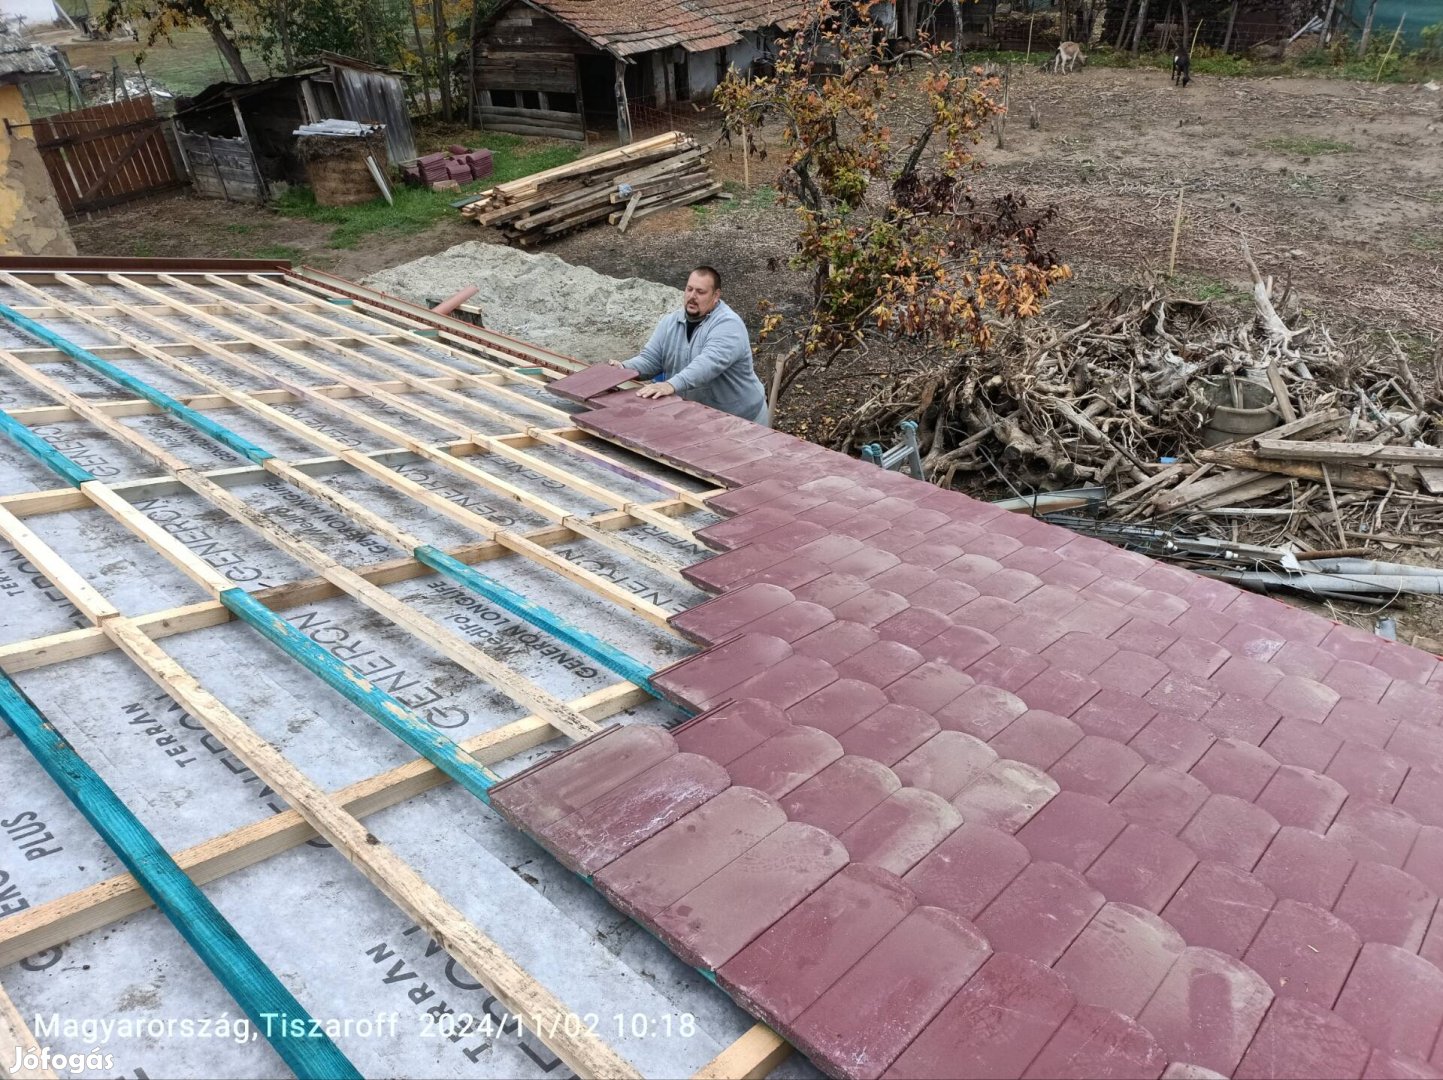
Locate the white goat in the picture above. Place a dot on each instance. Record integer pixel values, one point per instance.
(1068, 54)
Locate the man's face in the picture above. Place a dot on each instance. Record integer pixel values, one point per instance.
(701, 295)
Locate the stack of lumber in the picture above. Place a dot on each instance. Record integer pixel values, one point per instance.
(618, 186)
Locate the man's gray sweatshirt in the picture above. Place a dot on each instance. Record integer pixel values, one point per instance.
(714, 367)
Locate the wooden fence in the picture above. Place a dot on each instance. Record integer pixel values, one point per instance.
(106, 155)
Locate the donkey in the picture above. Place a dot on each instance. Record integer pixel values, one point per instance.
(1069, 53)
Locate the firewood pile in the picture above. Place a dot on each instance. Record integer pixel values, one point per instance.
(1249, 444)
(619, 186)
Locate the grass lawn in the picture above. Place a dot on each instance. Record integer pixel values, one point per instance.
(417, 209)
(1377, 66)
(184, 66)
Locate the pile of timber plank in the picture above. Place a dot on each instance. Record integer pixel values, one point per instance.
(618, 186)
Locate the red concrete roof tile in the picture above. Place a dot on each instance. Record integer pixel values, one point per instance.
(1072, 830)
(1367, 773)
(612, 825)
(661, 870)
(1120, 958)
(1111, 765)
(1097, 766)
(1301, 865)
(1395, 999)
(1304, 952)
(1220, 907)
(1301, 743)
(1421, 794)
(707, 926)
(1006, 795)
(838, 706)
(1000, 1021)
(1207, 1010)
(1230, 830)
(547, 792)
(786, 760)
(786, 969)
(1098, 1044)
(1374, 831)
(889, 734)
(1040, 913)
(1383, 903)
(860, 1025)
(1302, 797)
(1143, 866)
(1385, 1065)
(898, 832)
(1299, 1039)
(842, 794)
(1161, 797)
(965, 872)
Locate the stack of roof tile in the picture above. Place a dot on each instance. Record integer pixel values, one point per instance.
(970, 795)
(432, 169)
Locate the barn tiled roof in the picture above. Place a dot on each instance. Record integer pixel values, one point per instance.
(970, 795)
(627, 27)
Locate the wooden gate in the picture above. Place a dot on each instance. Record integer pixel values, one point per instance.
(106, 154)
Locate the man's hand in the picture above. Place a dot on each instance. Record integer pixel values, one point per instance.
(656, 389)
(614, 363)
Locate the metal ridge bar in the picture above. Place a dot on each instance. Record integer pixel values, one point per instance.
(230, 959)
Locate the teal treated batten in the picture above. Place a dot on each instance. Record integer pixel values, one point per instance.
(227, 438)
(42, 451)
(610, 657)
(398, 719)
(254, 986)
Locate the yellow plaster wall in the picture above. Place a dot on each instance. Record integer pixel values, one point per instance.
(30, 219)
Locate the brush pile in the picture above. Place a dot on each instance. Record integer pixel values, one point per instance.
(618, 186)
(1189, 418)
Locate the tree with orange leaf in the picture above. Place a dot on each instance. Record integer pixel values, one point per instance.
(876, 161)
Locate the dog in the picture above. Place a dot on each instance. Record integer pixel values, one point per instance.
(1181, 69)
(1069, 53)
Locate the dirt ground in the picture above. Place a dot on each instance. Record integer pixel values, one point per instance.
(1337, 185)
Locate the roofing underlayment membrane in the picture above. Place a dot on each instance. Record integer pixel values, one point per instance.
(929, 788)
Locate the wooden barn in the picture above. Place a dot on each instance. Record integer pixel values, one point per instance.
(239, 138)
(557, 67)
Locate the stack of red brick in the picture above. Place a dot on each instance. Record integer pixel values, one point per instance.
(971, 795)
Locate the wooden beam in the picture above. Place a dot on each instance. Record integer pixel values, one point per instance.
(1356, 453)
(352, 509)
(15, 1035)
(59, 414)
(1350, 476)
(52, 923)
(751, 1057)
(454, 648)
(486, 961)
(424, 450)
(72, 644)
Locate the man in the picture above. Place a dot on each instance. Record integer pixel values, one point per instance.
(703, 353)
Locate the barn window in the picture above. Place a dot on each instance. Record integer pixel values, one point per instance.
(503, 99)
(562, 102)
(530, 99)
